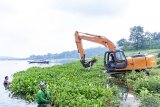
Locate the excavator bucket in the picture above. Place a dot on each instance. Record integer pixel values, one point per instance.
(88, 64)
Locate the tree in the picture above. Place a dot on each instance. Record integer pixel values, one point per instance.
(123, 43)
(147, 39)
(137, 37)
(156, 36)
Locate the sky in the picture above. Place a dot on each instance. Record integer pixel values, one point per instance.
(39, 27)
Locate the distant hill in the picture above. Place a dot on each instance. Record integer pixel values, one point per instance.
(6, 58)
(70, 54)
(10, 58)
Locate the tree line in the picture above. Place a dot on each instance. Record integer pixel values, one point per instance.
(138, 39)
(70, 54)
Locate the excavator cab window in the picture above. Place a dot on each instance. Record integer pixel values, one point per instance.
(114, 60)
(120, 56)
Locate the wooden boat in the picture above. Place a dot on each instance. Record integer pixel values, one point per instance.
(39, 61)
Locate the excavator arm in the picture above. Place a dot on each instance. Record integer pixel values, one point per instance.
(79, 36)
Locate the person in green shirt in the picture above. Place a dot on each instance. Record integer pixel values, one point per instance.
(43, 96)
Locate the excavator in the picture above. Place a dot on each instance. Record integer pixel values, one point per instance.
(115, 60)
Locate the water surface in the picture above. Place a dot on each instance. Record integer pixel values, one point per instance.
(8, 68)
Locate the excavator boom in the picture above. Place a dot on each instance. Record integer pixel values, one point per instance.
(79, 36)
(93, 38)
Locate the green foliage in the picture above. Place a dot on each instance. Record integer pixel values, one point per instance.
(154, 44)
(137, 36)
(69, 85)
(155, 72)
(135, 75)
(72, 85)
(152, 84)
(147, 88)
(125, 45)
(150, 101)
(132, 77)
(138, 39)
(140, 81)
(158, 60)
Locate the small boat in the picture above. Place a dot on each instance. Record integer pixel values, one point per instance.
(39, 61)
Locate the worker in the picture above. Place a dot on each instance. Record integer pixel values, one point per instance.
(43, 96)
(112, 60)
(6, 82)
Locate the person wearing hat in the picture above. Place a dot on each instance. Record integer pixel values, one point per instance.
(6, 82)
(43, 97)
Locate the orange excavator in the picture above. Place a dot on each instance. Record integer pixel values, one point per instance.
(115, 60)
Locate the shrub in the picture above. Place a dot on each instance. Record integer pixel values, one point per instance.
(152, 84)
(150, 101)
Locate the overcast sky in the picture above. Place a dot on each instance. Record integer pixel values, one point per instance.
(47, 26)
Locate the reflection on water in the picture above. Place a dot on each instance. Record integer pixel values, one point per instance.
(7, 68)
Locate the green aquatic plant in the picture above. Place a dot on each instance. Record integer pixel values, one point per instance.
(69, 85)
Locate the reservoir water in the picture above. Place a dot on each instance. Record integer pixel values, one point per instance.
(8, 68)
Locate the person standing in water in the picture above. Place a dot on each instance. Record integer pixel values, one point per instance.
(6, 82)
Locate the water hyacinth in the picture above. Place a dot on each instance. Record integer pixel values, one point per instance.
(69, 85)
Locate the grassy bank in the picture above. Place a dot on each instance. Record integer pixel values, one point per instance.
(151, 51)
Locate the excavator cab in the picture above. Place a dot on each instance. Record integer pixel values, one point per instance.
(114, 60)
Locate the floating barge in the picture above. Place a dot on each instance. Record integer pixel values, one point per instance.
(40, 61)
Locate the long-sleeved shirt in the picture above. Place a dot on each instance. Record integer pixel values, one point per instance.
(43, 97)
